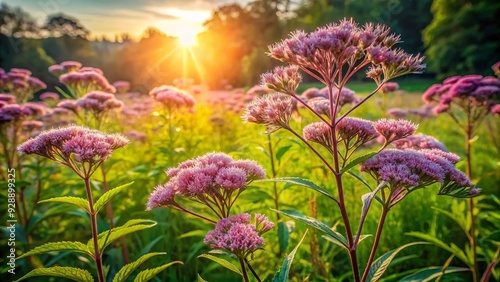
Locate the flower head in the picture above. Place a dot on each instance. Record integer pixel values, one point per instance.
(121, 86)
(389, 87)
(274, 111)
(14, 113)
(318, 132)
(163, 195)
(49, 96)
(419, 141)
(282, 79)
(238, 235)
(213, 176)
(357, 129)
(392, 129)
(74, 144)
(172, 97)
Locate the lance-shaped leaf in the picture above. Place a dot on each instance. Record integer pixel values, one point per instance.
(222, 262)
(301, 182)
(107, 237)
(282, 274)
(367, 201)
(380, 265)
(127, 269)
(79, 202)
(149, 274)
(431, 273)
(59, 247)
(108, 195)
(356, 161)
(453, 249)
(72, 273)
(334, 235)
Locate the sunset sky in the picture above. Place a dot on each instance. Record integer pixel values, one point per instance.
(110, 17)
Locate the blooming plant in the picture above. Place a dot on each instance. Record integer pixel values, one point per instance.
(332, 55)
(84, 150)
(216, 180)
(20, 83)
(468, 100)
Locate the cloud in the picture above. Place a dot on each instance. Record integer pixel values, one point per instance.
(163, 16)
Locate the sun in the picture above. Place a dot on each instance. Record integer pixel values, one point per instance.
(187, 39)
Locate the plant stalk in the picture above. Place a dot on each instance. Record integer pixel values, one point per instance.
(380, 227)
(95, 234)
(244, 270)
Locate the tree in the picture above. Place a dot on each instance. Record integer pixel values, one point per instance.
(16, 22)
(60, 25)
(463, 37)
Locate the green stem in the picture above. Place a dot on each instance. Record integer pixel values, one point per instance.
(273, 171)
(252, 270)
(470, 201)
(95, 234)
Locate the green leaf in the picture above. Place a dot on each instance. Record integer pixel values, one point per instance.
(64, 94)
(79, 202)
(281, 152)
(367, 201)
(108, 195)
(430, 273)
(380, 265)
(334, 235)
(435, 241)
(284, 230)
(222, 262)
(201, 279)
(107, 237)
(72, 273)
(282, 274)
(127, 269)
(59, 247)
(357, 161)
(301, 182)
(148, 274)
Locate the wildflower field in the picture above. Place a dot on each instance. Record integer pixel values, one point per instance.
(341, 164)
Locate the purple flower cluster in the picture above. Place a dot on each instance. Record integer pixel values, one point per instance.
(49, 96)
(98, 102)
(465, 92)
(172, 97)
(318, 132)
(406, 170)
(20, 83)
(389, 87)
(211, 178)
(13, 113)
(356, 129)
(393, 130)
(274, 111)
(121, 86)
(419, 141)
(329, 47)
(74, 144)
(282, 79)
(238, 235)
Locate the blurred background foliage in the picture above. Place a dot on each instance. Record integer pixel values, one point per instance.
(457, 36)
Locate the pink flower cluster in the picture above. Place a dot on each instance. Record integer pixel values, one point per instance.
(49, 96)
(238, 235)
(465, 92)
(419, 141)
(64, 67)
(393, 130)
(72, 144)
(389, 87)
(405, 170)
(258, 90)
(172, 97)
(20, 83)
(318, 132)
(121, 86)
(356, 129)
(274, 111)
(13, 113)
(98, 102)
(282, 79)
(330, 47)
(214, 176)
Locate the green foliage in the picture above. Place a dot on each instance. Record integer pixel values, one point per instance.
(71, 273)
(58, 247)
(107, 237)
(126, 270)
(282, 274)
(431, 273)
(108, 195)
(334, 235)
(149, 274)
(76, 201)
(301, 182)
(459, 38)
(222, 262)
(380, 265)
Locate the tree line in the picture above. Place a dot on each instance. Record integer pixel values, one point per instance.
(457, 36)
